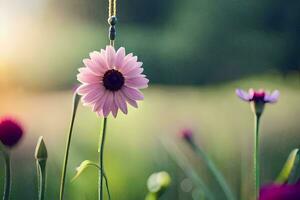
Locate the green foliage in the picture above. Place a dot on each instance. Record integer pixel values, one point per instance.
(220, 121)
(84, 166)
(180, 42)
(289, 171)
(187, 168)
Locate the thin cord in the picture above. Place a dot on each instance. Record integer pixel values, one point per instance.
(112, 20)
(112, 8)
(112, 43)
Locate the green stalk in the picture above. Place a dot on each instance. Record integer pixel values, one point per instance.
(183, 163)
(256, 162)
(151, 196)
(41, 167)
(107, 187)
(65, 164)
(217, 174)
(7, 184)
(41, 156)
(101, 158)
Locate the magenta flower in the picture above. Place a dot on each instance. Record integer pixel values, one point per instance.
(280, 192)
(186, 134)
(110, 80)
(258, 96)
(10, 131)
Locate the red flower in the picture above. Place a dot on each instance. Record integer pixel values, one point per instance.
(10, 131)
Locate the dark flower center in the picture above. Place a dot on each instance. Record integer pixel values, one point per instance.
(259, 96)
(113, 80)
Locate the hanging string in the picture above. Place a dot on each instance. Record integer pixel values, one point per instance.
(112, 20)
(112, 9)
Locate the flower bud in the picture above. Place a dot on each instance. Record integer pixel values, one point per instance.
(11, 132)
(186, 134)
(159, 182)
(41, 150)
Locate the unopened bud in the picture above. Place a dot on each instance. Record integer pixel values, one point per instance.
(159, 182)
(41, 150)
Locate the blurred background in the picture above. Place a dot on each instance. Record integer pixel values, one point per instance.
(195, 54)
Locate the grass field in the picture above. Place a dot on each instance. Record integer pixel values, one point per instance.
(222, 124)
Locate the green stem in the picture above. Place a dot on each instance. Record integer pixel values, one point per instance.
(151, 196)
(65, 164)
(217, 174)
(256, 158)
(183, 163)
(41, 167)
(107, 187)
(101, 159)
(7, 185)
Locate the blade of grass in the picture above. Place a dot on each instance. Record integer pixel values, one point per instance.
(183, 163)
(76, 99)
(288, 173)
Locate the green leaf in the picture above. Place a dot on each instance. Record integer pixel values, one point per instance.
(83, 166)
(289, 169)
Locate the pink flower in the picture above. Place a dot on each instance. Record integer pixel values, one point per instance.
(258, 96)
(10, 131)
(280, 192)
(110, 80)
(186, 134)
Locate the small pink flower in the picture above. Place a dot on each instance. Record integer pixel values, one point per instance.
(110, 80)
(10, 131)
(258, 96)
(186, 134)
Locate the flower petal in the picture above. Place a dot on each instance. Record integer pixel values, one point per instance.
(243, 95)
(131, 65)
(92, 66)
(273, 97)
(110, 56)
(139, 82)
(85, 88)
(92, 95)
(98, 106)
(88, 78)
(132, 93)
(130, 101)
(121, 102)
(120, 55)
(134, 72)
(114, 109)
(100, 60)
(128, 58)
(107, 104)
